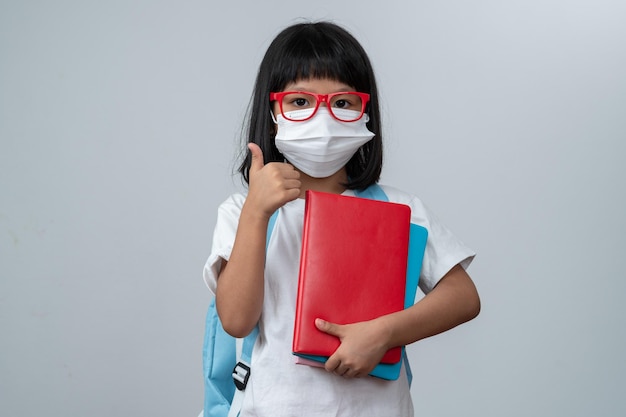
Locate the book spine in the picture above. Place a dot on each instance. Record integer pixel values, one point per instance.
(303, 261)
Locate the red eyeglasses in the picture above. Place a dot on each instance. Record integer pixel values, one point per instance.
(298, 106)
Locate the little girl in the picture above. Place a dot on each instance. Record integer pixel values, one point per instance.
(314, 124)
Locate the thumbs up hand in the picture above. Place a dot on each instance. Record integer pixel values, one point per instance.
(271, 185)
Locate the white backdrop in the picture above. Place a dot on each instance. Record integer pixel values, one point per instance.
(119, 125)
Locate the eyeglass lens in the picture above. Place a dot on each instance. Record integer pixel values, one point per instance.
(303, 101)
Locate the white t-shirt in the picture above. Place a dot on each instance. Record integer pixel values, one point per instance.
(280, 388)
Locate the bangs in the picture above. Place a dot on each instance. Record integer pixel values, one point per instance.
(320, 55)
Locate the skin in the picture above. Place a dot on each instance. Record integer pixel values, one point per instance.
(240, 286)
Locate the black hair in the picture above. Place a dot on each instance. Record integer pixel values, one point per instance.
(315, 50)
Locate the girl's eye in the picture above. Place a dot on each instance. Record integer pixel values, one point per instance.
(347, 101)
(295, 101)
(300, 102)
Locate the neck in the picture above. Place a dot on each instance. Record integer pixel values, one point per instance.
(332, 184)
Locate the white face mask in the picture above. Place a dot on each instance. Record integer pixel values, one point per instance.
(321, 145)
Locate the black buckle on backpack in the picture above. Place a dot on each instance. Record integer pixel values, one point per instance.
(241, 374)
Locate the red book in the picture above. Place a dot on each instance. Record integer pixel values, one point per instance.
(352, 267)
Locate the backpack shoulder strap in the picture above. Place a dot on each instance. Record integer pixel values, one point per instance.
(373, 192)
(270, 228)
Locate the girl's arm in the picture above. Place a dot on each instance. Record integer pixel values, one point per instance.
(239, 295)
(453, 301)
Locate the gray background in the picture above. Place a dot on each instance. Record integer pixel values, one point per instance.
(119, 123)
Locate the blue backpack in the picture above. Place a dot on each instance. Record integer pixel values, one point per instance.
(226, 360)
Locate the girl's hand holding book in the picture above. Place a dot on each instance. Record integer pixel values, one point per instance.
(362, 346)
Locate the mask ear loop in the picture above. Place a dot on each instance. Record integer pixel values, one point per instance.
(273, 117)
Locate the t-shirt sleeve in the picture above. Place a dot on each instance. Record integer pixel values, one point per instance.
(223, 238)
(443, 249)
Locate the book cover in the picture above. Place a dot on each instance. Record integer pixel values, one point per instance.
(417, 246)
(353, 267)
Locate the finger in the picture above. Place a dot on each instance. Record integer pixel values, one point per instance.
(332, 364)
(291, 194)
(290, 172)
(347, 372)
(290, 184)
(257, 157)
(329, 328)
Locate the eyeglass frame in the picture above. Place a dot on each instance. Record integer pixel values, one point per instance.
(320, 98)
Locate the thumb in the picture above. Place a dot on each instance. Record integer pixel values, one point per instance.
(329, 328)
(257, 157)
